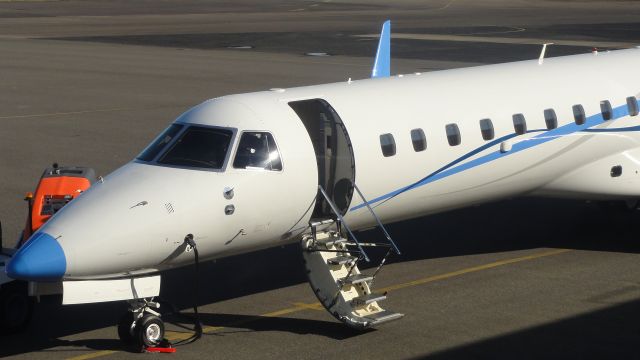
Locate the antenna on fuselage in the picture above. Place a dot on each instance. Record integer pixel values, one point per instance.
(544, 49)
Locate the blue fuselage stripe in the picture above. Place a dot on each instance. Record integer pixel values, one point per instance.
(451, 168)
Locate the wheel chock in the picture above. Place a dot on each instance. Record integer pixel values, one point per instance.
(167, 350)
(163, 347)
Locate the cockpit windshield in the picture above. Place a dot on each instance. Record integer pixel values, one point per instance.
(160, 143)
(200, 147)
(193, 146)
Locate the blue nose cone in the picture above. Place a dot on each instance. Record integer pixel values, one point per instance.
(40, 259)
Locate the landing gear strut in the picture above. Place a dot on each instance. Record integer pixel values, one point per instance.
(141, 326)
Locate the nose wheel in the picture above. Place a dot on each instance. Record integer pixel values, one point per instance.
(150, 330)
(141, 326)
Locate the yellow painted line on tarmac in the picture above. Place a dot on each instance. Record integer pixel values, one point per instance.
(313, 306)
(94, 355)
(62, 113)
(284, 311)
(180, 335)
(504, 40)
(300, 306)
(80, 112)
(492, 265)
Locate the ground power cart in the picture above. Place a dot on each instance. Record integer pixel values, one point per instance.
(57, 187)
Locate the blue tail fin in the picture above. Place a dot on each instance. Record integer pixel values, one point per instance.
(382, 64)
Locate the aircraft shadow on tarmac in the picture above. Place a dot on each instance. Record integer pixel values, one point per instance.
(331, 329)
(611, 333)
(505, 226)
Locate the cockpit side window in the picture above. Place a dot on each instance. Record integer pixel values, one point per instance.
(257, 150)
(199, 147)
(160, 142)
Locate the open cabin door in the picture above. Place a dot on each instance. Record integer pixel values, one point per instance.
(334, 154)
(331, 258)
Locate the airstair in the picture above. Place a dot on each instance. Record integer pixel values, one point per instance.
(331, 260)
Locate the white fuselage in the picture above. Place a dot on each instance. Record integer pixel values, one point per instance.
(136, 220)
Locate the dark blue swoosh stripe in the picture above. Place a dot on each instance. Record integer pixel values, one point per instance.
(452, 169)
(449, 165)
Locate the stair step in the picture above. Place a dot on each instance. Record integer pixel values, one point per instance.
(356, 279)
(332, 240)
(319, 222)
(342, 260)
(367, 299)
(382, 317)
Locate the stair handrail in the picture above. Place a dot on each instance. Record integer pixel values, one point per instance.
(384, 230)
(344, 223)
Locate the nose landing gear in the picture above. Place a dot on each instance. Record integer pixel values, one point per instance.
(142, 326)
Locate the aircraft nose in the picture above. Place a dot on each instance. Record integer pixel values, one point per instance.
(40, 259)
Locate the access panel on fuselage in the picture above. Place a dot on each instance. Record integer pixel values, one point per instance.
(334, 153)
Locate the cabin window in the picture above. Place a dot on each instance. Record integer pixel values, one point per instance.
(578, 114)
(550, 119)
(418, 139)
(606, 110)
(388, 145)
(519, 124)
(257, 150)
(632, 105)
(199, 147)
(486, 127)
(453, 134)
(160, 142)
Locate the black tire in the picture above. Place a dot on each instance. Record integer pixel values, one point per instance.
(125, 332)
(16, 307)
(150, 330)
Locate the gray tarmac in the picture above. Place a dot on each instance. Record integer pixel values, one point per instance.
(91, 82)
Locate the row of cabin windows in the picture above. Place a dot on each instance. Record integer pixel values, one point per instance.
(419, 140)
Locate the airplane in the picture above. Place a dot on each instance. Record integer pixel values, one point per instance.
(316, 164)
